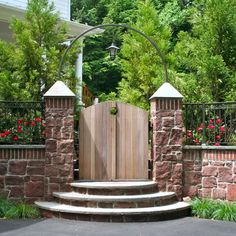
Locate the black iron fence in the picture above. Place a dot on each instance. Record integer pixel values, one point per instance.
(22, 122)
(211, 123)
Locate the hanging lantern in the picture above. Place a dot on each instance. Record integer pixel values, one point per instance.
(113, 51)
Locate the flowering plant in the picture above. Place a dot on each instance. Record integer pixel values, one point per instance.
(24, 131)
(211, 133)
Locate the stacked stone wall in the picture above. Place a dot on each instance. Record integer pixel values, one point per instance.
(59, 144)
(22, 171)
(167, 125)
(210, 172)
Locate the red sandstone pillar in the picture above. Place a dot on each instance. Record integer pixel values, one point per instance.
(59, 117)
(167, 123)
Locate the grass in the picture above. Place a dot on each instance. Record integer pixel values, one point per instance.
(213, 209)
(10, 210)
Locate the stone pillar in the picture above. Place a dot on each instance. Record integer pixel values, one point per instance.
(167, 123)
(59, 111)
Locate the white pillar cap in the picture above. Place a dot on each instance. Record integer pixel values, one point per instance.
(59, 89)
(167, 91)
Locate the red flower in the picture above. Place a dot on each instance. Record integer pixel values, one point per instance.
(2, 135)
(196, 141)
(222, 128)
(44, 125)
(199, 128)
(15, 138)
(6, 132)
(211, 121)
(19, 129)
(211, 126)
(19, 122)
(33, 123)
(38, 119)
(218, 137)
(26, 122)
(189, 133)
(218, 121)
(217, 144)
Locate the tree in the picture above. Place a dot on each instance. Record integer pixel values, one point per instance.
(206, 56)
(197, 38)
(91, 12)
(34, 58)
(100, 73)
(142, 68)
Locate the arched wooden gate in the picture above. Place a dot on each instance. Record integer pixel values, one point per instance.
(113, 146)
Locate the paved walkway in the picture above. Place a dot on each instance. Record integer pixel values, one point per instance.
(56, 227)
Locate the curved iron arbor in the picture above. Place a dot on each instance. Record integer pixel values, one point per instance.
(115, 25)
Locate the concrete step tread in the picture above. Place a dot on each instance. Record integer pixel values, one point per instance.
(114, 184)
(56, 207)
(110, 198)
(104, 198)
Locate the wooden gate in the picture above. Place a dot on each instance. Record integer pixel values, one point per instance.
(113, 146)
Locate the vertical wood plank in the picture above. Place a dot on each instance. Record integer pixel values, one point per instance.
(92, 146)
(81, 144)
(113, 137)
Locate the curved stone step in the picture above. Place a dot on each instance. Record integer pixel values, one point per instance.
(115, 187)
(171, 211)
(116, 201)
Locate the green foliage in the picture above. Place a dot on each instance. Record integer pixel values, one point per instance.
(112, 96)
(12, 210)
(206, 55)
(121, 11)
(225, 211)
(100, 74)
(212, 132)
(196, 37)
(22, 211)
(5, 206)
(114, 111)
(173, 14)
(142, 67)
(35, 56)
(24, 131)
(91, 12)
(203, 208)
(212, 209)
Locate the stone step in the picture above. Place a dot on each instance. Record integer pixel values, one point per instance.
(114, 187)
(171, 211)
(115, 201)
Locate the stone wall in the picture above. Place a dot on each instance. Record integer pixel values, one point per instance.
(22, 170)
(210, 172)
(59, 144)
(167, 125)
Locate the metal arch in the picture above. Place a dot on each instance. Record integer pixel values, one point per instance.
(115, 25)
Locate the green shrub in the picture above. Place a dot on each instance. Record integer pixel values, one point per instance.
(22, 211)
(225, 211)
(5, 206)
(12, 210)
(213, 209)
(203, 208)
